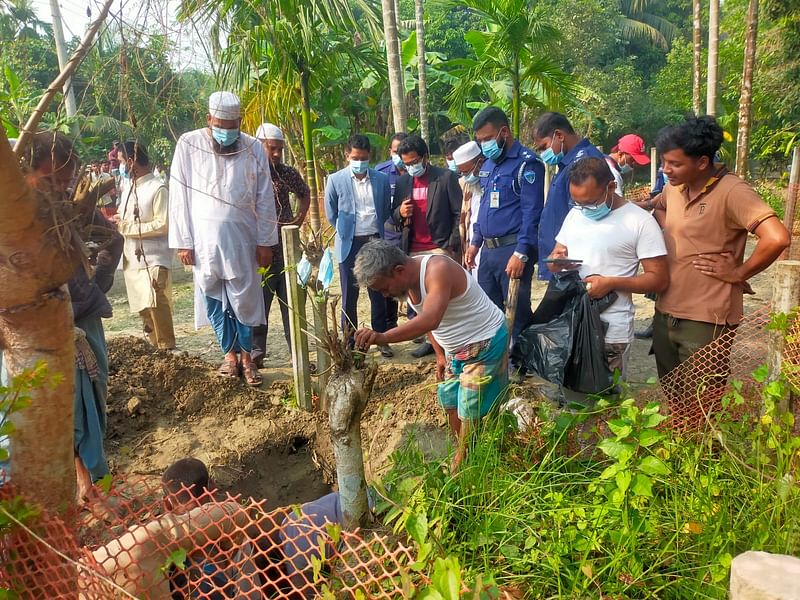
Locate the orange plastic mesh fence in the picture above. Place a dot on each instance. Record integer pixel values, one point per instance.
(695, 388)
(131, 543)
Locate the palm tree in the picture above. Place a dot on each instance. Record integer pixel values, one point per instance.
(291, 45)
(713, 57)
(697, 52)
(636, 24)
(395, 67)
(423, 85)
(511, 66)
(746, 99)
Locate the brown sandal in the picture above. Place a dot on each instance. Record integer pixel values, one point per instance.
(251, 375)
(229, 368)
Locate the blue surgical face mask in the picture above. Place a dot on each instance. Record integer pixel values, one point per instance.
(599, 212)
(491, 149)
(225, 137)
(416, 170)
(549, 157)
(451, 164)
(471, 179)
(398, 162)
(625, 169)
(359, 167)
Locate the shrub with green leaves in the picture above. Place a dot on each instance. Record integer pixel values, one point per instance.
(650, 513)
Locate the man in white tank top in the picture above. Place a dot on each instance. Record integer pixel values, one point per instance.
(467, 330)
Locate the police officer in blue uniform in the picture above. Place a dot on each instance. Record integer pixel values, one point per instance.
(508, 219)
(557, 144)
(393, 232)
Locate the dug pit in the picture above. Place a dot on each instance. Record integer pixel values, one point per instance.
(162, 408)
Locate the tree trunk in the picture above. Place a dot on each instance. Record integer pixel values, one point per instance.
(348, 391)
(423, 85)
(516, 110)
(713, 57)
(746, 99)
(308, 145)
(395, 65)
(697, 42)
(38, 255)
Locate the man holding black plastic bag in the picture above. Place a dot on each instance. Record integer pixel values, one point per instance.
(608, 238)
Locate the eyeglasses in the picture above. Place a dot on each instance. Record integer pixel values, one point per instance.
(416, 162)
(593, 206)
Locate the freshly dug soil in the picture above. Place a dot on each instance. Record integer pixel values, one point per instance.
(163, 407)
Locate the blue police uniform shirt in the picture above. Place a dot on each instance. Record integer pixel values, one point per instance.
(387, 168)
(392, 231)
(558, 202)
(519, 180)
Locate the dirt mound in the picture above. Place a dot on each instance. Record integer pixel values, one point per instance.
(163, 407)
(146, 384)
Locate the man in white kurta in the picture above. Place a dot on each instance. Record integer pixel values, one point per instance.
(146, 258)
(223, 223)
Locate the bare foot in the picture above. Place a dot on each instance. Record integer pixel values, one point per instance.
(84, 481)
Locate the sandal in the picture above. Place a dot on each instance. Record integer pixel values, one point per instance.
(229, 368)
(251, 375)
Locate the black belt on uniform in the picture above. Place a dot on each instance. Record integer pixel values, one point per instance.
(499, 242)
(366, 238)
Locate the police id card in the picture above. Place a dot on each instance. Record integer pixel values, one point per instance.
(494, 199)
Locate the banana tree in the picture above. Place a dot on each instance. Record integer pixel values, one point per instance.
(510, 67)
(292, 45)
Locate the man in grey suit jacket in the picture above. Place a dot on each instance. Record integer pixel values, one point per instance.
(357, 204)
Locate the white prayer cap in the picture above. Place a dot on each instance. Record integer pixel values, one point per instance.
(466, 152)
(268, 131)
(225, 106)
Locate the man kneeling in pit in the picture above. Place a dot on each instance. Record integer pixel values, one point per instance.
(467, 330)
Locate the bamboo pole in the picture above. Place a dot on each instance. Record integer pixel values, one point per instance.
(785, 299)
(298, 324)
(58, 83)
(791, 205)
(653, 167)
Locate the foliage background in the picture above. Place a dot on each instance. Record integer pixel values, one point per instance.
(629, 60)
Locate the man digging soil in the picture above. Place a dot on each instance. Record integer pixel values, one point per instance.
(467, 330)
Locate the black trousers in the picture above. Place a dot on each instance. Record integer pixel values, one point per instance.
(350, 293)
(273, 284)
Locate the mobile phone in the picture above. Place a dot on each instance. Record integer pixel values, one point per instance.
(563, 261)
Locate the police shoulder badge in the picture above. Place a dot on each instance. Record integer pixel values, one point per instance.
(530, 176)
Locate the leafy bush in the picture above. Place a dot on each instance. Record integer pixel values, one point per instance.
(651, 514)
(773, 195)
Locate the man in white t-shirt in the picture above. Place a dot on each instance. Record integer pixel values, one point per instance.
(611, 237)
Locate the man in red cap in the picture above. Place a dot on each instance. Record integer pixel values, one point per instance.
(629, 152)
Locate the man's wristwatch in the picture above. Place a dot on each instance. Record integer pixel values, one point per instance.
(521, 256)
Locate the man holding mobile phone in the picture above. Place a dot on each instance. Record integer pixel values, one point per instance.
(607, 238)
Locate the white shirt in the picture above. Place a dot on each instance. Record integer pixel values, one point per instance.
(222, 207)
(613, 247)
(366, 217)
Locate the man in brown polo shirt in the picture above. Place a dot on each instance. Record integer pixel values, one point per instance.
(706, 213)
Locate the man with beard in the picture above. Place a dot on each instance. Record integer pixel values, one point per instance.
(285, 180)
(223, 223)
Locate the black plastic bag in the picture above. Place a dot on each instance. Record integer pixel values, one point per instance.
(587, 369)
(544, 346)
(565, 342)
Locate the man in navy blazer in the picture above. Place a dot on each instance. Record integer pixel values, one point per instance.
(357, 204)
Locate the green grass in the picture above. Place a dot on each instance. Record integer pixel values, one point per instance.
(649, 515)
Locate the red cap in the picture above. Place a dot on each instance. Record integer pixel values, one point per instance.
(634, 145)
